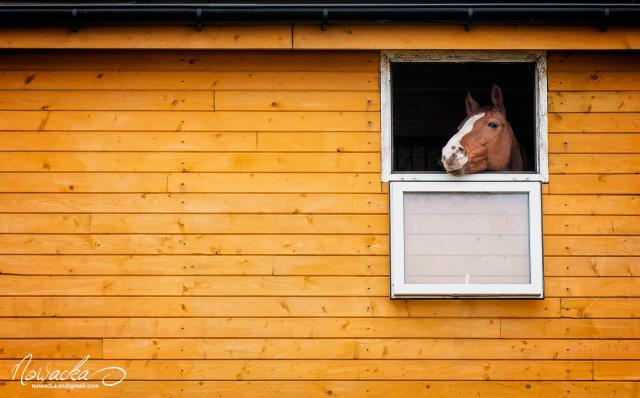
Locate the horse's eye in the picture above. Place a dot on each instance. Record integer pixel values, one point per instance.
(493, 125)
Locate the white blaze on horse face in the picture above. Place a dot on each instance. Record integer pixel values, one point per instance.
(453, 156)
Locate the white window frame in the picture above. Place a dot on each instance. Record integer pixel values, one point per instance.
(539, 57)
(400, 289)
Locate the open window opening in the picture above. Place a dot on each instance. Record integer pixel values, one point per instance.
(424, 102)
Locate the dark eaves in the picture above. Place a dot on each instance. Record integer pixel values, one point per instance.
(199, 14)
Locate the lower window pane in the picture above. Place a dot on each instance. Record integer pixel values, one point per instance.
(466, 237)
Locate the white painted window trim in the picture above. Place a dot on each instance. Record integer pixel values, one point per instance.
(539, 58)
(399, 289)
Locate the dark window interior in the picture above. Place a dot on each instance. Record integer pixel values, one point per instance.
(428, 105)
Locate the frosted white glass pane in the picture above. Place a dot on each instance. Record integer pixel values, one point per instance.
(466, 237)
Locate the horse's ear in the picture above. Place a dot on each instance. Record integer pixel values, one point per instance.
(472, 106)
(496, 98)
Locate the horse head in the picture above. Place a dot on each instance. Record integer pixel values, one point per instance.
(484, 141)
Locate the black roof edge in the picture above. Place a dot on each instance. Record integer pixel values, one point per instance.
(76, 15)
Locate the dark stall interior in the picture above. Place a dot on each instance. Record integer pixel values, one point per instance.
(428, 105)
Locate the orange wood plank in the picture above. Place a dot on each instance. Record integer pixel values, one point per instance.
(360, 369)
(83, 182)
(193, 80)
(625, 307)
(378, 307)
(237, 224)
(353, 389)
(591, 225)
(592, 266)
(188, 162)
(594, 163)
(205, 141)
(594, 101)
(455, 37)
(594, 184)
(188, 121)
(57, 264)
(50, 348)
(595, 143)
(593, 80)
(591, 245)
(262, 203)
(595, 123)
(194, 244)
(586, 61)
(151, 37)
(134, 100)
(275, 182)
(591, 204)
(592, 287)
(297, 100)
(129, 141)
(369, 349)
(194, 285)
(570, 328)
(192, 60)
(34, 223)
(263, 327)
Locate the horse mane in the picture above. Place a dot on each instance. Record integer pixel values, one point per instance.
(523, 154)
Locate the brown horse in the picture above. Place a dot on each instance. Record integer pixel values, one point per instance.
(484, 140)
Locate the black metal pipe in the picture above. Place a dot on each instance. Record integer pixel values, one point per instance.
(83, 14)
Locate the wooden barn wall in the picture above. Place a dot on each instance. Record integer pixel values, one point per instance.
(215, 223)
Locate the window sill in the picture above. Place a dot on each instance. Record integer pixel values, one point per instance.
(435, 176)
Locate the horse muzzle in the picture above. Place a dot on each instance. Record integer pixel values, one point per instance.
(454, 158)
(460, 171)
(455, 163)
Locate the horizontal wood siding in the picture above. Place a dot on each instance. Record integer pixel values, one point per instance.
(215, 223)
